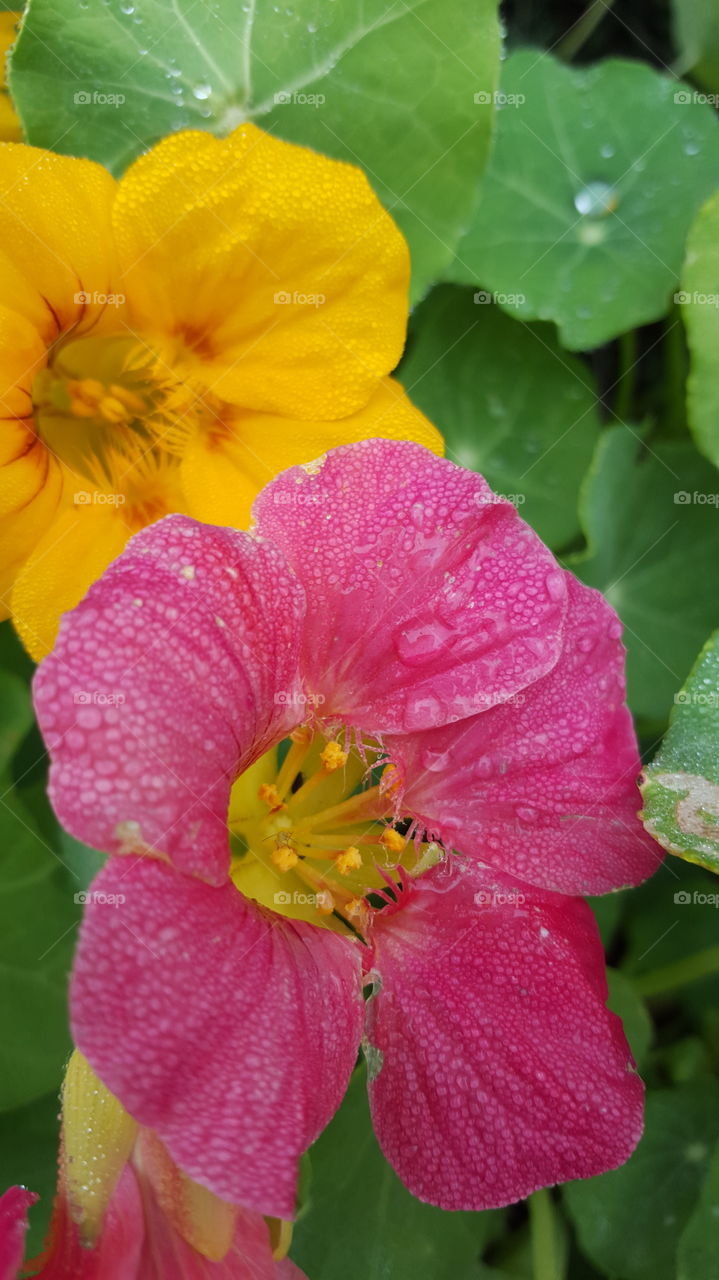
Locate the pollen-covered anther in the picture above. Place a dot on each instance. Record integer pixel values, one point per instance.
(392, 840)
(267, 792)
(333, 757)
(391, 780)
(284, 857)
(349, 860)
(302, 735)
(356, 909)
(324, 902)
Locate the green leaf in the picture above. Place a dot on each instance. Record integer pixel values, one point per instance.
(594, 180)
(700, 309)
(382, 1230)
(15, 716)
(625, 1001)
(652, 551)
(630, 1221)
(37, 925)
(509, 401)
(698, 1256)
(28, 1157)
(391, 89)
(681, 786)
(696, 26)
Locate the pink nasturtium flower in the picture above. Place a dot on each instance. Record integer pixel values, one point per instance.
(460, 770)
(124, 1211)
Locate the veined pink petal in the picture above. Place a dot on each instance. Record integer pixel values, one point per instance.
(165, 681)
(229, 1030)
(14, 1205)
(501, 1069)
(430, 599)
(545, 786)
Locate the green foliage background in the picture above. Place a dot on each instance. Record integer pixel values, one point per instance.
(562, 208)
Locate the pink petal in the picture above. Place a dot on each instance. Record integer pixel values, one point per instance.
(14, 1206)
(162, 686)
(544, 787)
(429, 598)
(117, 1255)
(502, 1070)
(229, 1030)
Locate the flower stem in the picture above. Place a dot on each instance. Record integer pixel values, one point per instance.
(583, 29)
(688, 969)
(546, 1261)
(627, 375)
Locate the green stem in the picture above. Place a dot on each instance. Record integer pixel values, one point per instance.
(627, 375)
(583, 29)
(675, 374)
(688, 969)
(546, 1262)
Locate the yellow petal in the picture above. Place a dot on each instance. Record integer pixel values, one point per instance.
(55, 230)
(200, 1217)
(98, 1137)
(223, 473)
(276, 265)
(74, 551)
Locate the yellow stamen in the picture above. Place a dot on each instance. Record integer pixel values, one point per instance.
(350, 860)
(392, 840)
(267, 792)
(284, 857)
(333, 757)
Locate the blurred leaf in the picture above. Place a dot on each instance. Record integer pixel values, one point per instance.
(698, 1256)
(15, 716)
(37, 926)
(28, 1156)
(652, 551)
(696, 25)
(630, 1221)
(700, 309)
(625, 1001)
(12, 655)
(681, 788)
(82, 861)
(509, 401)
(362, 1222)
(390, 89)
(594, 179)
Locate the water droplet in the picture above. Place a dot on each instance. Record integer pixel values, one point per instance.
(202, 91)
(691, 148)
(127, 8)
(596, 199)
(607, 151)
(420, 644)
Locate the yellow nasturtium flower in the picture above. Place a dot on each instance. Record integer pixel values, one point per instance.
(172, 340)
(9, 124)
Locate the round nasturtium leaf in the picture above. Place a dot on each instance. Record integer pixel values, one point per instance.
(510, 402)
(681, 785)
(407, 95)
(699, 299)
(584, 208)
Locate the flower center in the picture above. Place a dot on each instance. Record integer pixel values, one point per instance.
(118, 412)
(313, 823)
